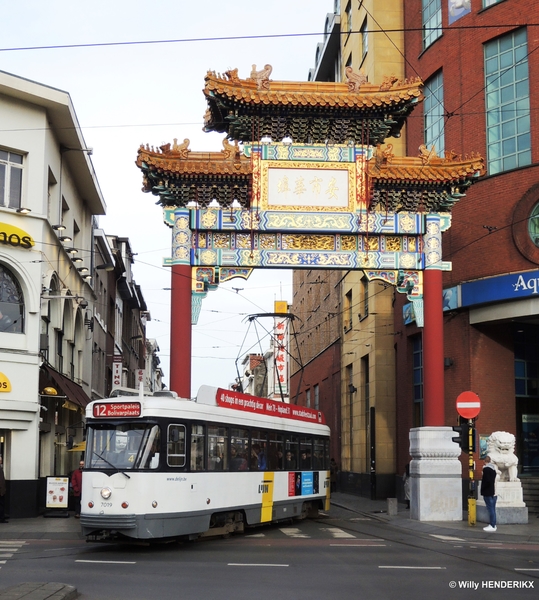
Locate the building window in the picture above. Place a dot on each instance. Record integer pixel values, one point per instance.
(317, 397)
(417, 361)
(348, 13)
(364, 40)
(364, 297)
(348, 311)
(60, 351)
(432, 21)
(10, 179)
(533, 225)
(433, 107)
(507, 102)
(308, 398)
(11, 303)
(487, 3)
(527, 364)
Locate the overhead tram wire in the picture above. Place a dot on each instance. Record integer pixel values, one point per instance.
(254, 37)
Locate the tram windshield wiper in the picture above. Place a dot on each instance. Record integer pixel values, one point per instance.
(110, 464)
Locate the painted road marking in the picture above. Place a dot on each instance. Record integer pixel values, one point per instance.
(359, 545)
(109, 562)
(337, 533)
(8, 548)
(255, 565)
(447, 538)
(404, 567)
(294, 532)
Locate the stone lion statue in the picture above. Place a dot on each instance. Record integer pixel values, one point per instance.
(501, 449)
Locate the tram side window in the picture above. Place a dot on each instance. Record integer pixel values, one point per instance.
(275, 452)
(305, 449)
(259, 451)
(239, 449)
(217, 448)
(176, 446)
(319, 454)
(291, 453)
(197, 447)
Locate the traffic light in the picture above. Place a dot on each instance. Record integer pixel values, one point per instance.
(463, 437)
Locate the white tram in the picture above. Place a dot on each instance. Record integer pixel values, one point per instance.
(158, 466)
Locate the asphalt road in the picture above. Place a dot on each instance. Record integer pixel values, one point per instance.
(342, 556)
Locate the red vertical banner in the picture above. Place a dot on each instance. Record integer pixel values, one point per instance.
(280, 351)
(116, 371)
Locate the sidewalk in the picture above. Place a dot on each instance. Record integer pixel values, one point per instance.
(69, 528)
(377, 509)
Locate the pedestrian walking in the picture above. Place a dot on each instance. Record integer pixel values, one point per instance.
(76, 484)
(488, 491)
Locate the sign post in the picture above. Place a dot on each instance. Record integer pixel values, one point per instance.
(468, 407)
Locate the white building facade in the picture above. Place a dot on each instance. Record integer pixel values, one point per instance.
(49, 196)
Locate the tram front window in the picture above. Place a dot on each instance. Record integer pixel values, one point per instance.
(123, 447)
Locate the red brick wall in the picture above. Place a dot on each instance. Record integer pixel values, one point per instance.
(482, 355)
(323, 370)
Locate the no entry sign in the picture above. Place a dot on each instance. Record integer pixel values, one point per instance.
(468, 405)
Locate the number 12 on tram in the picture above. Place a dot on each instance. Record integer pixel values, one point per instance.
(158, 466)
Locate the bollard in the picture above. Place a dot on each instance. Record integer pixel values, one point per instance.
(392, 507)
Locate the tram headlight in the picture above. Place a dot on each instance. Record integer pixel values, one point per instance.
(106, 493)
(154, 504)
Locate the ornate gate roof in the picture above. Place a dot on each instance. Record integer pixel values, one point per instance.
(308, 112)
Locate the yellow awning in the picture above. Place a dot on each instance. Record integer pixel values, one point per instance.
(80, 447)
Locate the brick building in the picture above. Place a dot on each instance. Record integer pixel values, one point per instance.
(477, 64)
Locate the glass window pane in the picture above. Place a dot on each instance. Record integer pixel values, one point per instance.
(291, 456)
(217, 445)
(520, 368)
(523, 143)
(239, 449)
(507, 81)
(258, 450)
(197, 447)
(176, 446)
(15, 187)
(2, 182)
(275, 452)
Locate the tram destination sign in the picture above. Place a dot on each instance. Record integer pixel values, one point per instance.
(116, 409)
(265, 406)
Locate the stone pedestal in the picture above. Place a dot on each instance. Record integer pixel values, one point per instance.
(510, 506)
(435, 475)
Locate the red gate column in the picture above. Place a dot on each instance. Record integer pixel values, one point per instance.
(180, 331)
(180, 305)
(433, 350)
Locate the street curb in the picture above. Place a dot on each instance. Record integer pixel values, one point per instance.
(40, 591)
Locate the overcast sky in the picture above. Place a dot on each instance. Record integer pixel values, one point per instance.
(135, 93)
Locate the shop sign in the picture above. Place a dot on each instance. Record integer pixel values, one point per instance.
(57, 492)
(5, 384)
(13, 236)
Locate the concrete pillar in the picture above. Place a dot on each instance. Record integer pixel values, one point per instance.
(435, 475)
